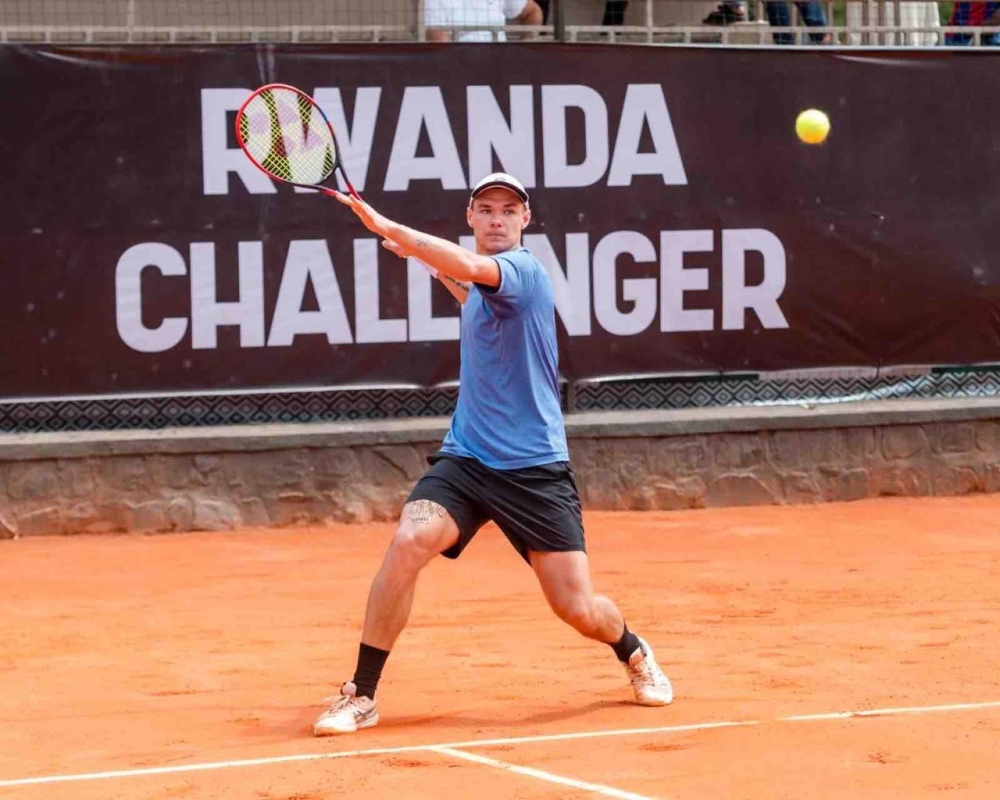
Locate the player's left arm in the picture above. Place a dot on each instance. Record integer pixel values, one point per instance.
(449, 259)
(459, 289)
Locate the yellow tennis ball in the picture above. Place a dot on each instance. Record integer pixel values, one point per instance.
(812, 126)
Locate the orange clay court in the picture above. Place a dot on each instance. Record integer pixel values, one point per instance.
(193, 665)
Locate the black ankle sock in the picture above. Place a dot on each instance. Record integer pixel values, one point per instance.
(371, 660)
(625, 646)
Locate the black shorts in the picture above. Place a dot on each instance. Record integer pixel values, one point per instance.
(537, 508)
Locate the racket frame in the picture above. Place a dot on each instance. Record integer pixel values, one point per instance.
(336, 145)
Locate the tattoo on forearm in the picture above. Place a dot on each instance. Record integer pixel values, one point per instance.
(421, 511)
(460, 284)
(423, 241)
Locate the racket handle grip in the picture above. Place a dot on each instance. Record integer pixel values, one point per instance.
(333, 193)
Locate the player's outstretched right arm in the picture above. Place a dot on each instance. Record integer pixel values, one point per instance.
(446, 257)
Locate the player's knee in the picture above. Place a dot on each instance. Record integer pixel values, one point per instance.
(408, 543)
(415, 546)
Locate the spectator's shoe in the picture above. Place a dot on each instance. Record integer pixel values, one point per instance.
(726, 14)
(651, 686)
(347, 714)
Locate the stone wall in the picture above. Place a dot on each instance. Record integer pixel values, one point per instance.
(217, 479)
(796, 466)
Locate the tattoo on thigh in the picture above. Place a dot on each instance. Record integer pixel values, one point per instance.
(421, 511)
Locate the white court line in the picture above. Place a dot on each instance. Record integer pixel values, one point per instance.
(555, 737)
(598, 788)
(882, 712)
(378, 751)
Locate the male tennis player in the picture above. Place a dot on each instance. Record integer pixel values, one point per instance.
(505, 457)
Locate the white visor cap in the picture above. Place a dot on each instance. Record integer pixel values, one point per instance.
(503, 181)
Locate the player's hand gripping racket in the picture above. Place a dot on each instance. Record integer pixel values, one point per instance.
(286, 134)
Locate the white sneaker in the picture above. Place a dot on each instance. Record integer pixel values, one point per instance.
(651, 686)
(348, 713)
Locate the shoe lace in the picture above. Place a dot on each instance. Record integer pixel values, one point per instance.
(643, 673)
(338, 701)
(342, 702)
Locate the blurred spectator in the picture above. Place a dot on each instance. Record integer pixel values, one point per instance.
(779, 14)
(728, 12)
(440, 15)
(974, 14)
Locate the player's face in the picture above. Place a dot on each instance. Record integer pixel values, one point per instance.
(497, 217)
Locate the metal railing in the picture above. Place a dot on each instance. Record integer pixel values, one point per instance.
(848, 22)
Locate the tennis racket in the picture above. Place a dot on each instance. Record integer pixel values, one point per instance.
(286, 135)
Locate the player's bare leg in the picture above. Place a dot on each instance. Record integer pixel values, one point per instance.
(565, 581)
(425, 530)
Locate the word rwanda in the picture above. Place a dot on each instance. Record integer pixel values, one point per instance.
(487, 130)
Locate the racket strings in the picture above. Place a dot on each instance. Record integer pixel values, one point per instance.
(285, 132)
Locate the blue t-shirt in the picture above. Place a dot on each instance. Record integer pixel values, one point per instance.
(508, 414)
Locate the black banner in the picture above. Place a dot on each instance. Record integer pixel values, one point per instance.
(686, 228)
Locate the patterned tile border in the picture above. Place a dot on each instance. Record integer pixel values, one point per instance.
(370, 404)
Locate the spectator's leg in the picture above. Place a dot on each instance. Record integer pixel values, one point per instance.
(814, 16)
(614, 12)
(780, 16)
